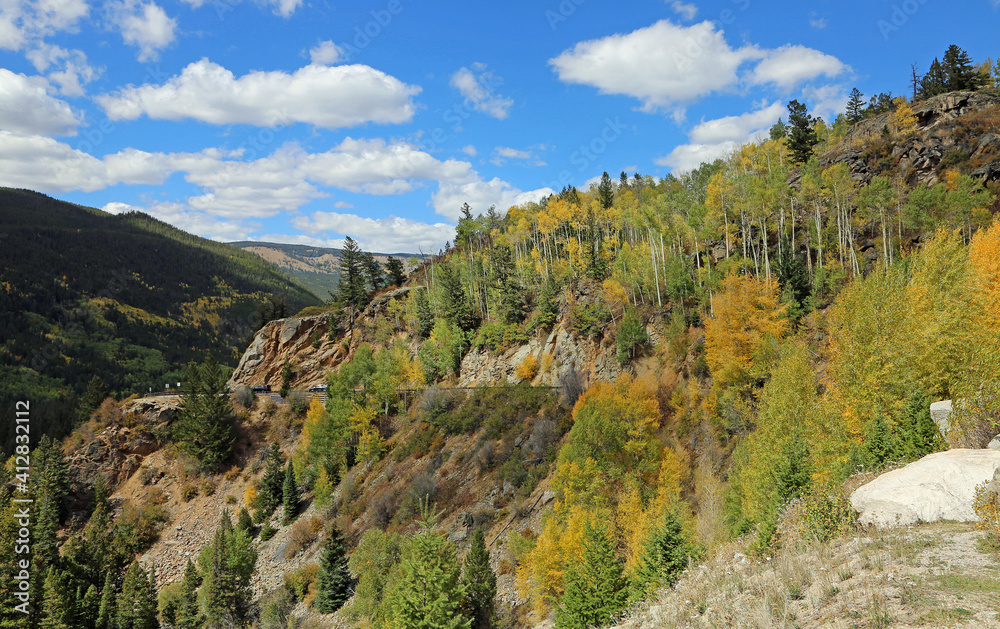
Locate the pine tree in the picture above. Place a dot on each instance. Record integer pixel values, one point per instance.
(778, 131)
(596, 587)
(137, 602)
(89, 607)
(244, 522)
(664, 557)
(287, 373)
(394, 269)
(188, 614)
(425, 315)
(219, 586)
(372, 270)
(290, 495)
(793, 472)
(269, 490)
(96, 392)
(959, 71)
(457, 308)
(802, 137)
(351, 289)
(934, 82)
(107, 613)
(333, 583)
(606, 191)
(856, 107)
(480, 583)
(204, 425)
(428, 592)
(57, 606)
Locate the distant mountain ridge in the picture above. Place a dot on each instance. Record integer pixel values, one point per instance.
(316, 268)
(125, 297)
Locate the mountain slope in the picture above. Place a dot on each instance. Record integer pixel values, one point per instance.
(316, 268)
(125, 297)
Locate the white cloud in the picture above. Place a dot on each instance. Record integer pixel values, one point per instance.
(478, 87)
(145, 26)
(480, 195)
(27, 108)
(789, 65)
(470, 150)
(330, 97)
(685, 10)
(712, 139)
(11, 35)
(504, 151)
(325, 53)
(343, 205)
(820, 23)
(375, 234)
(284, 8)
(662, 65)
(827, 101)
(69, 68)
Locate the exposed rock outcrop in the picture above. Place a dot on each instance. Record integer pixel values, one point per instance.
(940, 486)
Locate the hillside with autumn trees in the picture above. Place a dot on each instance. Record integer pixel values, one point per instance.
(754, 332)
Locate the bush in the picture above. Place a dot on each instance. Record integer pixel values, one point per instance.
(275, 609)
(828, 513)
(304, 532)
(243, 396)
(298, 582)
(148, 475)
(499, 410)
(499, 337)
(589, 319)
(631, 335)
(513, 471)
(298, 403)
(188, 491)
(208, 488)
(270, 407)
(528, 368)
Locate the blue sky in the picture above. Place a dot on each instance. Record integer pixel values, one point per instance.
(305, 121)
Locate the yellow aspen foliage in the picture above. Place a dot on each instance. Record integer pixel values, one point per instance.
(580, 483)
(249, 495)
(315, 417)
(362, 422)
(902, 121)
(541, 575)
(788, 405)
(747, 312)
(614, 424)
(615, 295)
(984, 254)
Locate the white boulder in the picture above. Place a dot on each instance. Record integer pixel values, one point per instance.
(940, 486)
(940, 412)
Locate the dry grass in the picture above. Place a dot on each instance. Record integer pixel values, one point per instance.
(931, 575)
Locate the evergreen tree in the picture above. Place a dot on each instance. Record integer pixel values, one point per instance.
(793, 472)
(457, 308)
(959, 71)
(427, 593)
(244, 522)
(802, 137)
(935, 81)
(394, 270)
(204, 426)
(793, 277)
(287, 373)
(606, 191)
(89, 607)
(333, 583)
(351, 289)
(107, 613)
(219, 582)
(664, 557)
(512, 303)
(596, 587)
(290, 495)
(188, 615)
(779, 130)
(373, 270)
(480, 584)
(856, 107)
(137, 603)
(96, 392)
(269, 490)
(425, 316)
(57, 606)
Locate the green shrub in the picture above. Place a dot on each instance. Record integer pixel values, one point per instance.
(298, 582)
(499, 410)
(498, 337)
(589, 319)
(267, 532)
(631, 335)
(828, 513)
(188, 491)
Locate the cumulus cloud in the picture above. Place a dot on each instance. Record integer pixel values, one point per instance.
(69, 68)
(478, 86)
(143, 25)
(325, 53)
(683, 9)
(789, 66)
(665, 65)
(27, 108)
(375, 234)
(470, 150)
(712, 139)
(330, 97)
(480, 195)
(194, 222)
(661, 65)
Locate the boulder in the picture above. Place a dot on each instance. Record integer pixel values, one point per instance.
(994, 443)
(940, 486)
(940, 412)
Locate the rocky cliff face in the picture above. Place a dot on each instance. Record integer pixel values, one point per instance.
(941, 121)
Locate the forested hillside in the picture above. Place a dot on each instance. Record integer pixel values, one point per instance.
(124, 298)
